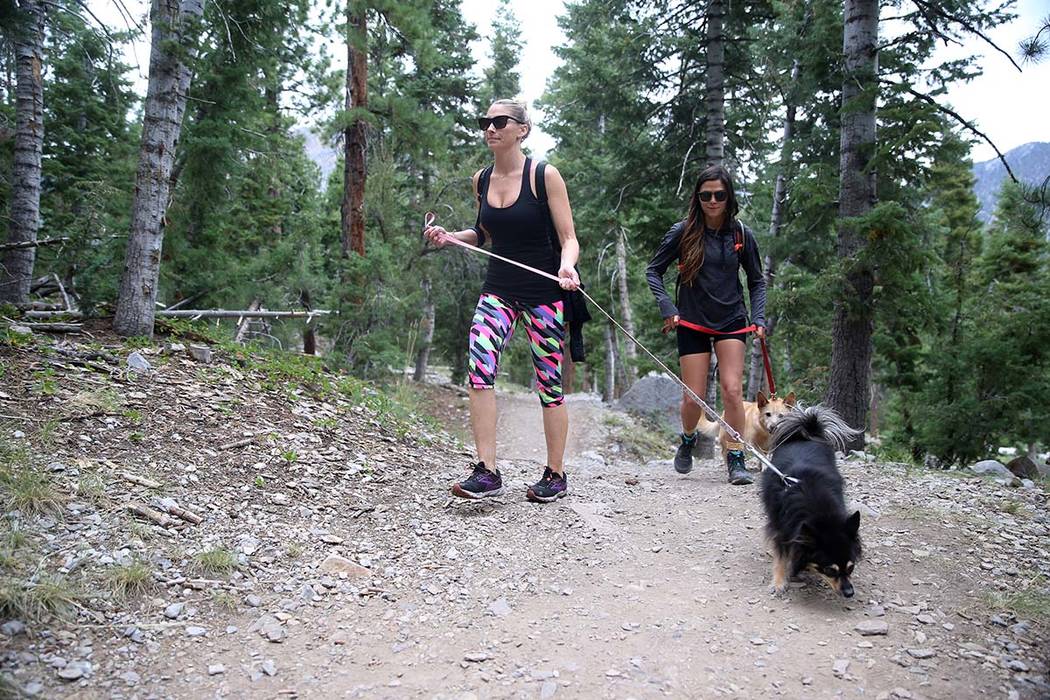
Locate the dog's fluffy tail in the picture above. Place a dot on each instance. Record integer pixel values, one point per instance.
(816, 423)
(708, 427)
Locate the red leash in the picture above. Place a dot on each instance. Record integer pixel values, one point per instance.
(748, 329)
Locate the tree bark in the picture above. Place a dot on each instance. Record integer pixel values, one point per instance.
(849, 385)
(173, 41)
(354, 173)
(609, 390)
(715, 83)
(426, 332)
(16, 272)
(631, 365)
(756, 376)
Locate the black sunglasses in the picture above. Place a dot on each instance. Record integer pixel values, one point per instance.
(720, 195)
(498, 122)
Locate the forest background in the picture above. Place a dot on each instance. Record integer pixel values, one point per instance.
(890, 299)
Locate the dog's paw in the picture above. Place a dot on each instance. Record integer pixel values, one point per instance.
(777, 591)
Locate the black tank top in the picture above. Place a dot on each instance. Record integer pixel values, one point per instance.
(520, 232)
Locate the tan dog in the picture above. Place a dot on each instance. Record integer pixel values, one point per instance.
(760, 419)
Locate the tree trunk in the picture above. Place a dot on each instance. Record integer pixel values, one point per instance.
(715, 85)
(848, 387)
(16, 272)
(631, 365)
(426, 332)
(354, 174)
(756, 377)
(173, 42)
(609, 390)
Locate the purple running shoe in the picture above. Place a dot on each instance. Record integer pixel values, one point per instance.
(549, 488)
(482, 483)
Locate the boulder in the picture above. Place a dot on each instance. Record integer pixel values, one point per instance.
(990, 467)
(657, 396)
(1023, 467)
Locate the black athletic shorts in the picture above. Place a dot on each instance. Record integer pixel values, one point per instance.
(691, 342)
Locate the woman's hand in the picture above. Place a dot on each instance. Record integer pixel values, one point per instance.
(670, 323)
(437, 235)
(568, 279)
(760, 331)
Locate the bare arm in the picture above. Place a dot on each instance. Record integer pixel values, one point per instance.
(561, 215)
(437, 234)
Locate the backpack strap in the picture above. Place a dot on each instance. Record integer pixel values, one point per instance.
(482, 195)
(541, 197)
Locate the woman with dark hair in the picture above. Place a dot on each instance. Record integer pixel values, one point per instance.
(523, 208)
(708, 312)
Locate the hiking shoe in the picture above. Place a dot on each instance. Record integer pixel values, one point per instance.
(683, 458)
(549, 488)
(482, 483)
(738, 474)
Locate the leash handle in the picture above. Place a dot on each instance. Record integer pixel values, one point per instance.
(429, 219)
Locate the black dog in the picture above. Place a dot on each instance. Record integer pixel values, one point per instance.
(808, 525)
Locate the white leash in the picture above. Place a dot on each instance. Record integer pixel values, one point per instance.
(766, 464)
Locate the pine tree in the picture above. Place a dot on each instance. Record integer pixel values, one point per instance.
(501, 79)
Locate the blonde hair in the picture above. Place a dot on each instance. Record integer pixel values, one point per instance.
(519, 111)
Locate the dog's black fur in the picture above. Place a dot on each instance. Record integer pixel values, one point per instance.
(807, 522)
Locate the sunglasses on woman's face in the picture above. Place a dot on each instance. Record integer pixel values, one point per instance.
(719, 195)
(498, 122)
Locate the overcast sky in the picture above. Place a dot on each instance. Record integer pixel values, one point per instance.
(1011, 107)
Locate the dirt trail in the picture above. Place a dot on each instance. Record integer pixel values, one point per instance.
(647, 588)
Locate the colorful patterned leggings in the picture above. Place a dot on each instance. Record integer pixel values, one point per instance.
(493, 324)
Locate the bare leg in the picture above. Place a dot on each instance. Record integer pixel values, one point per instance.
(694, 374)
(730, 374)
(556, 431)
(483, 423)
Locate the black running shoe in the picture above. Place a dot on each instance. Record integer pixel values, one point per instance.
(738, 473)
(549, 488)
(683, 458)
(482, 483)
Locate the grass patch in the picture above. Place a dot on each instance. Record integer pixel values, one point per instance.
(224, 600)
(214, 562)
(36, 601)
(293, 550)
(26, 490)
(105, 401)
(92, 487)
(640, 437)
(1032, 602)
(130, 580)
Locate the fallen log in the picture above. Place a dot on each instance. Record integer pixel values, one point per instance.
(154, 516)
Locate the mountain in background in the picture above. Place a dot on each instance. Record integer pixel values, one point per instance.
(325, 156)
(1030, 163)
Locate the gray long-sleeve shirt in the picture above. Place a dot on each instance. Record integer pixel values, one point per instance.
(715, 299)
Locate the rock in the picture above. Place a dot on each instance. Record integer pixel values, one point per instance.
(173, 611)
(33, 688)
(19, 329)
(655, 395)
(840, 667)
(252, 600)
(216, 669)
(499, 607)
(249, 545)
(476, 657)
(335, 564)
(138, 363)
(1017, 665)
(200, 353)
(871, 628)
(13, 628)
(268, 667)
(130, 677)
(331, 539)
(548, 689)
(174, 348)
(56, 467)
(922, 653)
(1023, 467)
(193, 631)
(866, 511)
(991, 467)
(75, 670)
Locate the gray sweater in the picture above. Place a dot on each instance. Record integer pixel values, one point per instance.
(715, 298)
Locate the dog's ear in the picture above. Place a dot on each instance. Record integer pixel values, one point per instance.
(806, 535)
(761, 399)
(789, 400)
(853, 523)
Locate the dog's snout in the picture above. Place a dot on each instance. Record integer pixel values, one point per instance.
(847, 588)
